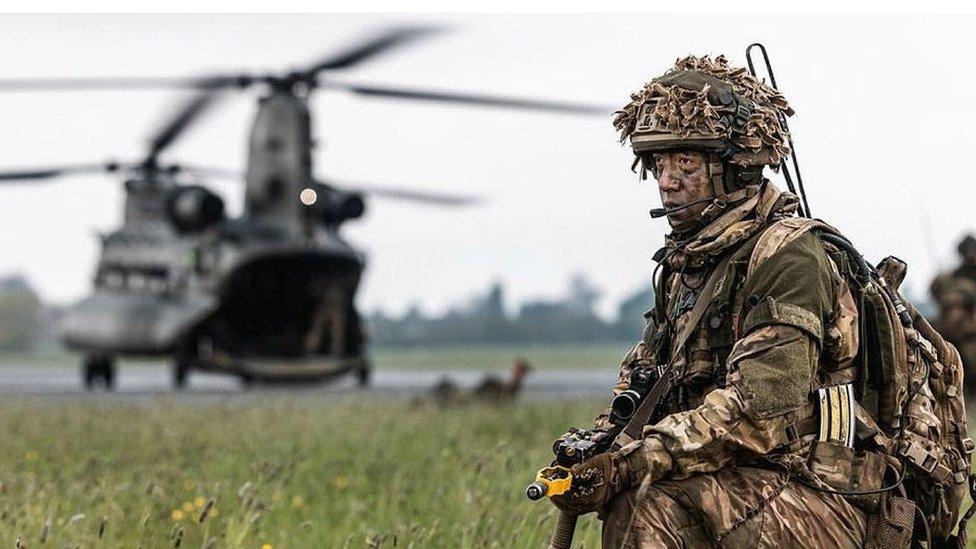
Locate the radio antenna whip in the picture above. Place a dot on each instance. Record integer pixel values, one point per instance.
(804, 209)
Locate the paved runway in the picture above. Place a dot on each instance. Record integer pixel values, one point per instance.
(151, 379)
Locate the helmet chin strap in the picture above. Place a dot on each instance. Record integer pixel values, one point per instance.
(732, 184)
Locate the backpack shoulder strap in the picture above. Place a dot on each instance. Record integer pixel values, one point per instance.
(778, 235)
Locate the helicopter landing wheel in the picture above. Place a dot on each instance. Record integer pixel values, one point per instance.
(247, 382)
(108, 373)
(97, 368)
(89, 373)
(363, 375)
(181, 370)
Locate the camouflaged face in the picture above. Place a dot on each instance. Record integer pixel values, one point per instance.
(699, 103)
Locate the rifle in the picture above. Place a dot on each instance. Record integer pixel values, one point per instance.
(630, 411)
(578, 446)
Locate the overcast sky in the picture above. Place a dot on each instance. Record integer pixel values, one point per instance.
(884, 131)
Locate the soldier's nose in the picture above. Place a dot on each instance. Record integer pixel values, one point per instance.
(668, 183)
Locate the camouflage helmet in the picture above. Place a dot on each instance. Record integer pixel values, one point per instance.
(704, 104)
(967, 246)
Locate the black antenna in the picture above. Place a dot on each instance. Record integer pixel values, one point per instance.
(804, 209)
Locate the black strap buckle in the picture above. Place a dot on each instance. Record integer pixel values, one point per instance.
(742, 111)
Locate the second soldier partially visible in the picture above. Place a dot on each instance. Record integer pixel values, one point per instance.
(955, 294)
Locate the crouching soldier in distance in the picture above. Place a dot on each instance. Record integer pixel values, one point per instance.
(779, 426)
(955, 294)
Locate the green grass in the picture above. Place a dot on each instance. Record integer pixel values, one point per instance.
(282, 471)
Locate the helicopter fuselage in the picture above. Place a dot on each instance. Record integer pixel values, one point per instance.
(268, 295)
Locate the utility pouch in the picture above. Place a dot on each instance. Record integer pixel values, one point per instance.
(877, 334)
(892, 526)
(884, 354)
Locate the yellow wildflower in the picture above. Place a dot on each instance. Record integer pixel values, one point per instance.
(187, 506)
(297, 501)
(267, 546)
(199, 502)
(340, 481)
(31, 456)
(177, 514)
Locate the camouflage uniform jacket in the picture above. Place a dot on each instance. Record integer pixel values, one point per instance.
(776, 328)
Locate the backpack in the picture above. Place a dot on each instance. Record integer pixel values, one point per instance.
(908, 378)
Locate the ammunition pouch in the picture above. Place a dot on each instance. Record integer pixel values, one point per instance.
(892, 526)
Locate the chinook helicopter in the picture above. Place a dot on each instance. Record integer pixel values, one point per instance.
(268, 295)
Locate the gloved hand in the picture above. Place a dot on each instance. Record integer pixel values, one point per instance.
(595, 482)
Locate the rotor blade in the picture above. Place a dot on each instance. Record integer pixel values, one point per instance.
(470, 99)
(370, 47)
(210, 171)
(48, 173)
(424, 197)
(121, 83)
(182, 118)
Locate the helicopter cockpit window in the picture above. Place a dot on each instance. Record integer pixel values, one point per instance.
(152, 280)
(112, 279)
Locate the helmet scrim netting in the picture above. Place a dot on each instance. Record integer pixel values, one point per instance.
(684, 111)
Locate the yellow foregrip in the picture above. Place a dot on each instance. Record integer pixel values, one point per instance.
(557, 479)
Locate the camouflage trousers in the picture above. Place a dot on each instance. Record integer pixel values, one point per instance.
(735, 507)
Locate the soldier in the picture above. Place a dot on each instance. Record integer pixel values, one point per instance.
(955, 294)
(721, 462)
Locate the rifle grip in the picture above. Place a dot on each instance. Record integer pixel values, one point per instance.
(562, 536)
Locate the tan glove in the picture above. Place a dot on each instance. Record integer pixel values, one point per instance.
(595, 482)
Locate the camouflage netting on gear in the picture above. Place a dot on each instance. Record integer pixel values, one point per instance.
(684, 111)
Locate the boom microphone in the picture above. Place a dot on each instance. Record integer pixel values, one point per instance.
(661, 212)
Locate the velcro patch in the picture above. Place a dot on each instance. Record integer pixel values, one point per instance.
(770, 311)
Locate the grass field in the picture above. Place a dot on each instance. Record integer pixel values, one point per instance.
(265, 472)
(280, 473)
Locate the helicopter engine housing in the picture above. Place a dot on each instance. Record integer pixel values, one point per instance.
(339, 206)
(193, 209)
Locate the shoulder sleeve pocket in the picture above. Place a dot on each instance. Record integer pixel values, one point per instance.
(772, 368)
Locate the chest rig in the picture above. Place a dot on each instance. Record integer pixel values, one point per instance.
(701, 366)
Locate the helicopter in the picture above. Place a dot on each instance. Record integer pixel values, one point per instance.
(269, 295)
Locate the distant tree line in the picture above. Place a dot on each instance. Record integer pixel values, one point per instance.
(571, 319)
(483, 319)
(21, 315)
(27, 323)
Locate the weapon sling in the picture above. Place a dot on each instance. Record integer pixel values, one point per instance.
(562, 537)
(635, 427)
